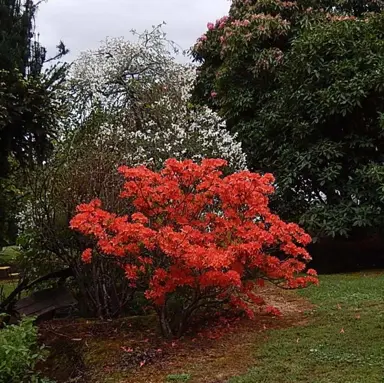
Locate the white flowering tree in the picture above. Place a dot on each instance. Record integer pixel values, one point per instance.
(146, 98)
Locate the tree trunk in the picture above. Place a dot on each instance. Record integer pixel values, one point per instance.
(165, 326)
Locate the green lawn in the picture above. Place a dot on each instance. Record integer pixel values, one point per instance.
(343, 340)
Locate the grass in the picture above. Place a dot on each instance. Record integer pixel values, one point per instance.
(6, 287)
(178, 378)
(341, 342)
(9, 254)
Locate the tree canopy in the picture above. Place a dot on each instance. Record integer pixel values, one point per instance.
(29, 101)
(302, 84)
(27, 93)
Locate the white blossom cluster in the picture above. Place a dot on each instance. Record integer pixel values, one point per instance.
(150, 94)
(120, 71)
(192, 140)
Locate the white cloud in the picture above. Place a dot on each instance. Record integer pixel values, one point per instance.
(82, 24)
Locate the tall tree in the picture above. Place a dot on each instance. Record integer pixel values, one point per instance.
(301, 82)
(29, 99)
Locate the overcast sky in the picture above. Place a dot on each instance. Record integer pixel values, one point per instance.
(82, 24)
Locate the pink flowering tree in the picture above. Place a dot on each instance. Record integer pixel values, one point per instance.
(300, 82)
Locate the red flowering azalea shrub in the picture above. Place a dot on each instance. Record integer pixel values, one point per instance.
(197, 239)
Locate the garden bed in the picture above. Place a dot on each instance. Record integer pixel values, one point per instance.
(132, 350)
(336, 338)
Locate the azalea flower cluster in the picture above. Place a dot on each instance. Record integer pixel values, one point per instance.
(197, 234)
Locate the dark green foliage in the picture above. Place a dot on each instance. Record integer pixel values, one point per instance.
(28, 100)
(303, 87)
(10, 202)
(30, 104)
(325, 127)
